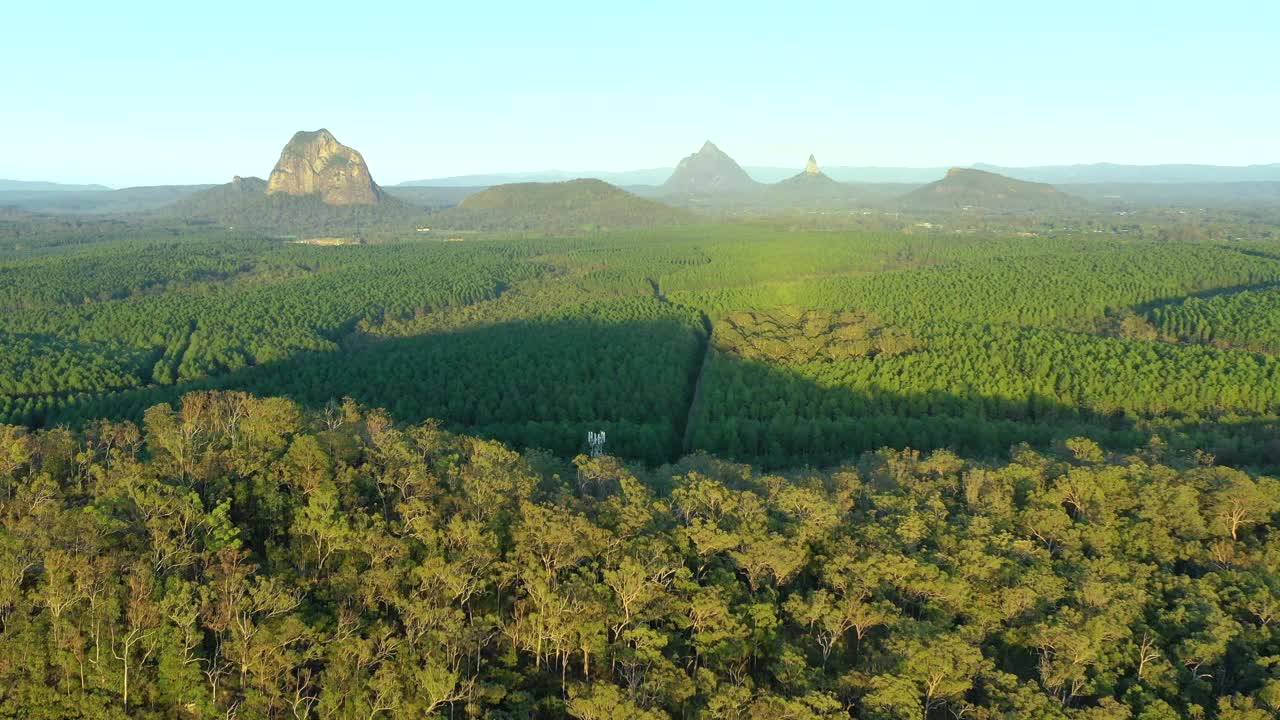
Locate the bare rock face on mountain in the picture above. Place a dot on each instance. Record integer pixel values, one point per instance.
(315, 163)
(709, 171)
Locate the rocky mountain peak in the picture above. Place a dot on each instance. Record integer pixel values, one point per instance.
(315, 163)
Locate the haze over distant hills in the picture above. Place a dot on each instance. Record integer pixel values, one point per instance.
(1054, 174)
(651, 176)
(315, 167)
(1112, 173)
(124, 200)
(41, 186)
(1213, 194)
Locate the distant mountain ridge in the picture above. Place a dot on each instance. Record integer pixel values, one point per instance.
(88, 202)
(315, 166)
(1113, 173)
(649, 176)
(1053, 174)
(42, 186)
(1196, 195)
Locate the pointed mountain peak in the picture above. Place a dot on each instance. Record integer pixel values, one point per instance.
(812, 180)
(709, 170)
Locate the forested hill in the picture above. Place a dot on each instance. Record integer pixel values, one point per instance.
(564, 206)
(243, 203)
(970, 188)
(222, 198)
(236, 556)
(810, 186)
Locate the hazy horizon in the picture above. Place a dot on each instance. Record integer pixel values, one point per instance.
(759, 172)
(183, 96)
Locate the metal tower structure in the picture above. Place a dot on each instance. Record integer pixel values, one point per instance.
(596, 441)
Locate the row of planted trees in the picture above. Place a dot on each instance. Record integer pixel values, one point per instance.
(1249, 319)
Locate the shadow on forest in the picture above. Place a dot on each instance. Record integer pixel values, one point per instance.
(1254, 252)
(547, 383)
(1146, 307)
(531, 383)
(804, 422)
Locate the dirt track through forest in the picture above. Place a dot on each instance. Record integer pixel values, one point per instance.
(686, 432)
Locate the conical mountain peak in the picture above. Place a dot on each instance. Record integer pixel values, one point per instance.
(709, 170)
(812, 180)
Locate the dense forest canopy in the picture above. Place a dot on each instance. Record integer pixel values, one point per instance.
(246, 557)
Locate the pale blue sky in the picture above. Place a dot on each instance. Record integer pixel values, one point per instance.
(127, 93)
